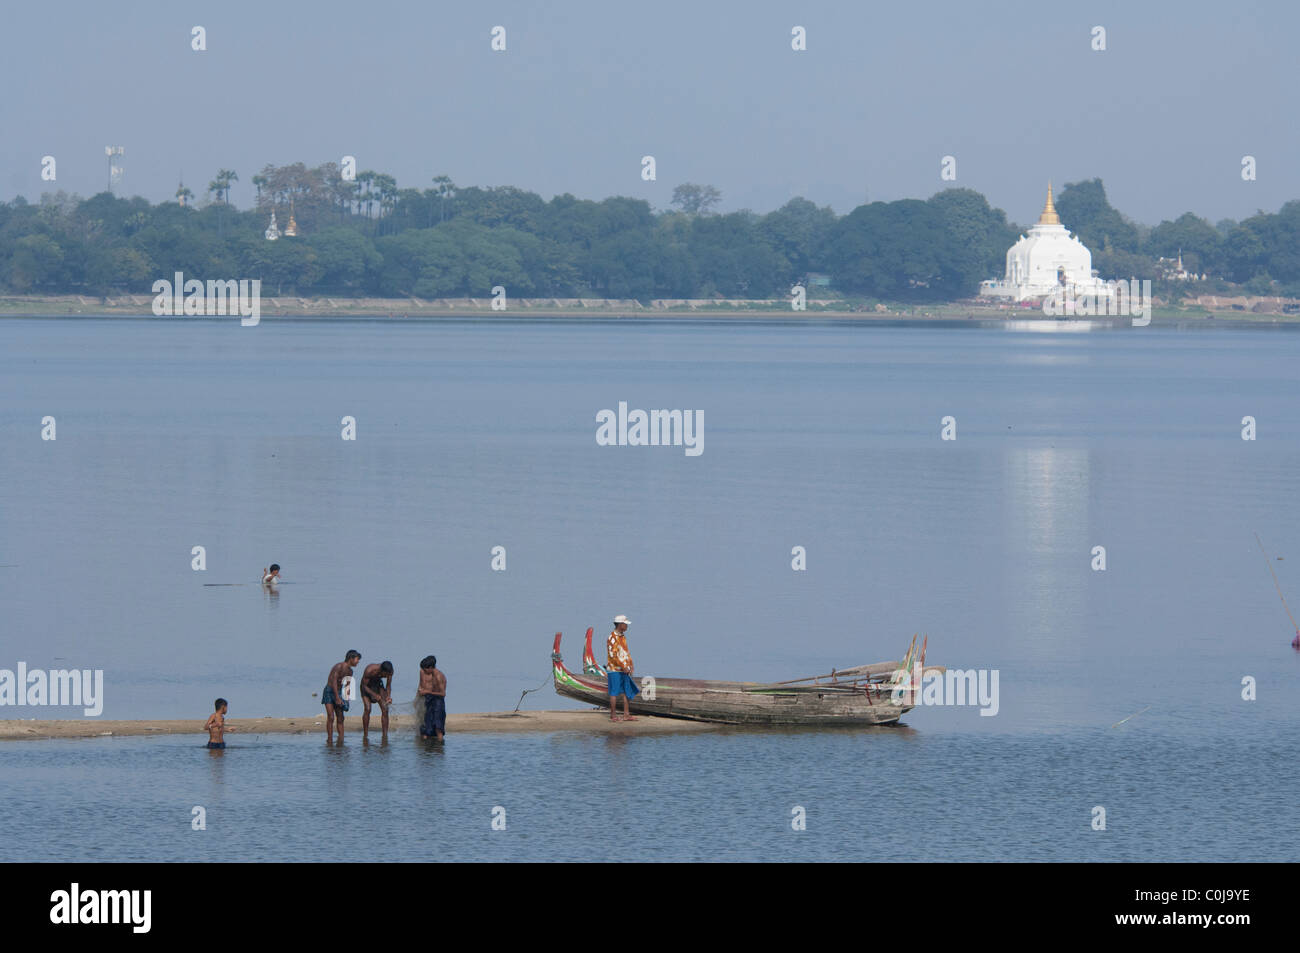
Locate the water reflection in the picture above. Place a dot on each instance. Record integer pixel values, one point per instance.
(1046, 518)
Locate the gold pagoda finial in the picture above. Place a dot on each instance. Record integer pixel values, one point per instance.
(1049, 216)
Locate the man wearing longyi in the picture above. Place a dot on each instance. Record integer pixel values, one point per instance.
(432, 691)
(619, 669)
(332, 696)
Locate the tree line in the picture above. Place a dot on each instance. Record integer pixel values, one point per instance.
(365, 236)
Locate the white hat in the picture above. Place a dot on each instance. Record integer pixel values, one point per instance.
(623, 619)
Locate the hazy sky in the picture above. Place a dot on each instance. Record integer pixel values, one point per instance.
(712, 90)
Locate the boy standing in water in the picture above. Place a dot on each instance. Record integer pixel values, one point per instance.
(433, 688)
(215, 726)
(331, 695)
(271, 577)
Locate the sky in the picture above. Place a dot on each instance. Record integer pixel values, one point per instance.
(1013, 91)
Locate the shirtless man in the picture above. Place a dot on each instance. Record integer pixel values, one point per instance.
(376, 688)
(332, 695)
(433, 686)
(215, 726)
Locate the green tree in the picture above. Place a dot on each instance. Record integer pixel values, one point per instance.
(897, 250)
(978, 237)
(798, 231)
(346, 257)
(1246, 251)
(1085, 211)
(220, 186)
(1282, 236)
(117, 267)
(733, 258)
(1199, 242)
(385, 187)
(446, 191)
(696, 199)
(35, 263)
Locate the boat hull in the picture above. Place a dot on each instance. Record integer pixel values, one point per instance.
(737, 703)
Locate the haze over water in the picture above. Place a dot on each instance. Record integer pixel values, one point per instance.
(184, 432)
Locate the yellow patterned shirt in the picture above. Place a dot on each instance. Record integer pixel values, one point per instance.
(618, 659)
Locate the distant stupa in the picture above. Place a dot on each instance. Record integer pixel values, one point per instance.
(1046, 262)
(291, 230)
(273, 232)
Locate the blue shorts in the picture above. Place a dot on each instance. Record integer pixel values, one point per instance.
(216, 745)
(621, 683)
(327, 698)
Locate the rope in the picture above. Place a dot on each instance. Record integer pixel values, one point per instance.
(529, 691)
(1276, 586)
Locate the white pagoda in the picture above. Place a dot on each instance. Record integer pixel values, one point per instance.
(1047, 262)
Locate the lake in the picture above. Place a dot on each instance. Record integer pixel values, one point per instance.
(178, 433)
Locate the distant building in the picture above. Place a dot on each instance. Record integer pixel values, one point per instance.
(273, 232)
(1049, 261)
(1171, 269)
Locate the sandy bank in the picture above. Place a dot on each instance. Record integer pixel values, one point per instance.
(1240, 311)
(591, 720)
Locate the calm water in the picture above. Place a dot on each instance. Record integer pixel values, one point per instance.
(180, 433)
(913, 794)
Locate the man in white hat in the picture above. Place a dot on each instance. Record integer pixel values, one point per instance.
(619, 668)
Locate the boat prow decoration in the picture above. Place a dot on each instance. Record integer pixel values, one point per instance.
(862, 695)
(589, 664)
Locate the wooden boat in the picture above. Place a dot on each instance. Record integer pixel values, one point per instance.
(878, 694)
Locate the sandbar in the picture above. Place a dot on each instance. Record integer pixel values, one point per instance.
(594, 721)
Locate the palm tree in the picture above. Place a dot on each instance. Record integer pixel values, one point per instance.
(183, 194)
(258, 182)
(225, 177)
(367, 198)
(220, 186)
(446, 190)
(386, 187)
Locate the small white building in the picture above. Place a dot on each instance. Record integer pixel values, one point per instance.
(1171, 269)
(1047, 262)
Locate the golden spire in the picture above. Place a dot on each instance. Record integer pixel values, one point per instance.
(1049, 216)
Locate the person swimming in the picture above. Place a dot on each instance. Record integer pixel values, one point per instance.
(271, 577)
